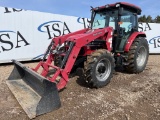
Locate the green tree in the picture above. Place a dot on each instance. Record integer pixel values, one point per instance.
(157, 19)
(149, 19)
(142, 19)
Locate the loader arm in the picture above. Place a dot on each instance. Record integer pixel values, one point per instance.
(77, 41)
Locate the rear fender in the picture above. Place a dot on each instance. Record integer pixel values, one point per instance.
(132, 38)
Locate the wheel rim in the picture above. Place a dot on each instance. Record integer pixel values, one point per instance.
(141, 56)
(103, 69)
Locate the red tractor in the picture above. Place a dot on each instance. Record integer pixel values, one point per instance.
(112, 39)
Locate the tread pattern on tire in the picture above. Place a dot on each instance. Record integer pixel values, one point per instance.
(131, 67)
(89, 64)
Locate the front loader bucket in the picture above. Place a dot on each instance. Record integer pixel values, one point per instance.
(34, 93)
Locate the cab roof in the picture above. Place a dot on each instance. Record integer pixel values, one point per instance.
(130, 6)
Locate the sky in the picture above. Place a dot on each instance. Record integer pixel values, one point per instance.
(78, 8)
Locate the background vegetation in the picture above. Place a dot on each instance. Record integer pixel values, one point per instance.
(149, 19)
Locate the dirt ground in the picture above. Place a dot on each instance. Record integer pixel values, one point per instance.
(126, 97)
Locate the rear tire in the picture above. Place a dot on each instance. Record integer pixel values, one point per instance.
(99, 68)
(137, 56)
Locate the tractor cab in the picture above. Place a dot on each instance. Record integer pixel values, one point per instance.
(122, 17)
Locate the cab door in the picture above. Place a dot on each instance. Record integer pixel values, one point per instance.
(127, 25)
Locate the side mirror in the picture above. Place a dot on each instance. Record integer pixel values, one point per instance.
(120, 11)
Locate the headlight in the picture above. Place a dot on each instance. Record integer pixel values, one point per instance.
(97, 8)
(118, 5)
(107, 6)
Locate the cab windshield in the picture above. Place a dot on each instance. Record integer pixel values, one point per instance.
(104, 19)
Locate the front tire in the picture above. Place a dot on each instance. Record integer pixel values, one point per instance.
(138, 56)
(99, 68)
